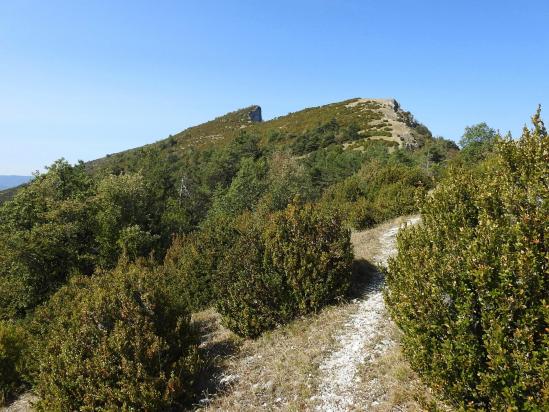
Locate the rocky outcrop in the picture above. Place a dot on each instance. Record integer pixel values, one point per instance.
(255, 114)
(402, 123)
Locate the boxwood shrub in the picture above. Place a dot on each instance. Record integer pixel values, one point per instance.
(13, 344)
(293, 264)
(193, 261)
(469, 287)
(117, 341)
(313, 252)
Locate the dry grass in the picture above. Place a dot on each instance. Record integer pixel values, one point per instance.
(279, 370)
(366, 243)
(403, 390)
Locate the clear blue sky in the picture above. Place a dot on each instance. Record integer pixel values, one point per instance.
(81, 79)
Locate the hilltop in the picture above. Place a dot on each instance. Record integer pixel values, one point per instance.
(353, 125)
(373, 119)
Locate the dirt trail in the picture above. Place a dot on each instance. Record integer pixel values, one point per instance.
(347, 357)
(23, 404)
(363, 339)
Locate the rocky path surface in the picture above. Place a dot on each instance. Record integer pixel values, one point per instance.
(23, 404)
(362, 339)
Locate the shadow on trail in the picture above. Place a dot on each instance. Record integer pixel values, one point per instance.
(214, 349)
(366, 278)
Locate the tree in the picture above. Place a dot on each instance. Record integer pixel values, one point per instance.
(245, 189)
(286, 179)
(45, 236)
(477, 141)
(122, 201)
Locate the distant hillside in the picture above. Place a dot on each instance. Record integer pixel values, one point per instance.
(373, 119)
(10, 181)
(353, 125)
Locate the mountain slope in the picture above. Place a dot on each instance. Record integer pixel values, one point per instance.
(374, 119)
(352, 125)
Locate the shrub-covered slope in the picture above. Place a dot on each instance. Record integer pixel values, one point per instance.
(367, 119)
(229, 213)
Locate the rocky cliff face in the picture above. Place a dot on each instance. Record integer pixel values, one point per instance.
(255, 114)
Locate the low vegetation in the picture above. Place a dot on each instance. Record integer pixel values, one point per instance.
(469, 286)
(12, 346)
(117, 341)
(299, 262)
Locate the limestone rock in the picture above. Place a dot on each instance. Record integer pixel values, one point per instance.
(255, 114)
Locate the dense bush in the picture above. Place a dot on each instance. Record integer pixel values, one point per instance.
(12, 347)
(251, 296)
(287, 178)
(299, 262)
(470, 288)
(379, 191)
(314, 253)
(245, 190)
(361, 215)
(117, 341)
(332, 165)
(194, 259)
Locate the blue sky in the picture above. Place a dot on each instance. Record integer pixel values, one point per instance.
(83, 79)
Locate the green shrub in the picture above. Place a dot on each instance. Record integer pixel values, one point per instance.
(194, 259)
(286, 179)
(469, 287)
(245, 190)
(135, 242)
(314, 253)
(361, 214)
(379, 191)
(117, 341)
(251, 296)
(12, 347)
(299, 262)
(394, 200)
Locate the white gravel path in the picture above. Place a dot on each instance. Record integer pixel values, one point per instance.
(360, 341)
